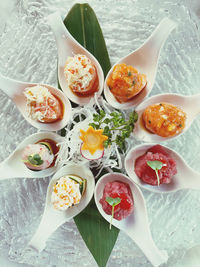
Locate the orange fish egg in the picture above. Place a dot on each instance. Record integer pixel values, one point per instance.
(125, 82)
(164, 119)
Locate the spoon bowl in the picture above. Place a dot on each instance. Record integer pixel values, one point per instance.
(13, 167)
(186, 177)
(145, 60)
(67, 46)
(15, 90)
(136, 224)
(53, 218)
(189, 104)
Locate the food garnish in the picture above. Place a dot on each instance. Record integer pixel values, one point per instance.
(164, 119)
(42, 105)
(67, 192)
(93, 140)
(125, 82)
(81, 75)
(35, 159)
(155, 165)
(114, 126)
(113, 202)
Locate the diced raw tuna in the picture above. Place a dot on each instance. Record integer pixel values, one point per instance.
(122, 190)
(147, 174)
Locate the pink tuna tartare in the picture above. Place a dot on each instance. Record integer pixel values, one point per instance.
(120, 190)
(147, 174)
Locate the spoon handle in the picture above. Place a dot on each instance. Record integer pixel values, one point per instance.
(145, 242)
(194, 101)
(157, 39)
(9, 86)
(6, 172)
(51, 220)
(60, 32)
(193, 180)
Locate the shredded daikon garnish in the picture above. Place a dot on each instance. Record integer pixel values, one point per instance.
(70, 147)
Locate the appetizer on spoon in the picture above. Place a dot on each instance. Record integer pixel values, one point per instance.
(34, 158)
(160, 169)
(43, 106)
(132, 77)
(79, 73)
(165, 116)
(129, 214)
(68, 193)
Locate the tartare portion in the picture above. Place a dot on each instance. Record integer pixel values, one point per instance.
(37, 156)
(41, 105)
(81, 75)
(120, 190)
(125, 82)
(67, 192)
(147, 174)
(164, 119)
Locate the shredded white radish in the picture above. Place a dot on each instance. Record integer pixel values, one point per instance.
(70, 147)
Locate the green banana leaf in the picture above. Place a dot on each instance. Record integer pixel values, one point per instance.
(82, 23)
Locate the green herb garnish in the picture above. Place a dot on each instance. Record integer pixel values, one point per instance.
(129, 73)
(113, 202)
(155, 165)
(114, 123)
(133, 82)
(35, 160)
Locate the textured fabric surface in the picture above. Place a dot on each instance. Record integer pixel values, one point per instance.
(28, 53)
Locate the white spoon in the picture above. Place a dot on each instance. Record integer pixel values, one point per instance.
(145, 60)
(53, 218)
(15, 90)
(135, 225)
(13, 166)
(67, 46)
(189, 104)
(186, 177)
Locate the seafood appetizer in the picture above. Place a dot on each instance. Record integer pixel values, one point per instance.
(81, 75)
(41, 155)
(67, 192)
(43, 106)
(155, 167)
(125, 82)
(117, 200)
(164, 119)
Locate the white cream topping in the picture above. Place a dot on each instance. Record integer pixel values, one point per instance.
(77, 72)
(66, 193)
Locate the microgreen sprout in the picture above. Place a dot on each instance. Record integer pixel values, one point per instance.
(114, 123)
(156, 165)
(35, 160)
(113, 202)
